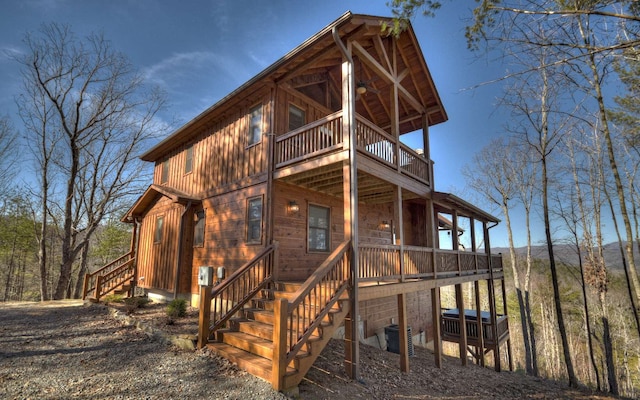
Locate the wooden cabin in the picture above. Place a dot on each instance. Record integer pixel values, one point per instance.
(298, 184)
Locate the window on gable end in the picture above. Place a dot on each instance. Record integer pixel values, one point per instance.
(255, 125)
(198, 228)
(188, 159)
(164, 173)
(157, 234)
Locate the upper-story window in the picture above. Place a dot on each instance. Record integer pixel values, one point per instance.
(164, 173)
(297, 117)
(254, 220)
(188, 159)
(255, 124)
(318, 228)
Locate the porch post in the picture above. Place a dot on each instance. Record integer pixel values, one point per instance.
(463, 324)
(400, 225)
(402, 332)
(480, 324)
(437, 336)
(350, 204)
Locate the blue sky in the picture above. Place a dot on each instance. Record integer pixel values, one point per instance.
(199, 51)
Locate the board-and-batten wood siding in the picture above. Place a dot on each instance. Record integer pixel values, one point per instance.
(221, 154)
(156, 261)
(226, 232)
(313, 110)
(290, 229)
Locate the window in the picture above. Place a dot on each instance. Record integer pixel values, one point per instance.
(157, 235)
(198, 229)
(296, 117)
(254, 220)
(188, 160)
(318, 235)
(255, 125)
(164, 177)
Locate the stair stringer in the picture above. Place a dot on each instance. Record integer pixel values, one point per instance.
(304, 362)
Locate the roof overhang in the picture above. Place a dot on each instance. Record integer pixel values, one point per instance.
(151, 195)
(447, 202)
(348, 24)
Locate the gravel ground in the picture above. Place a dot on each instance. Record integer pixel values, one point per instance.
(61, 350)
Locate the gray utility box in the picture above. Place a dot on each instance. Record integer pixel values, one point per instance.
(205, 276)
(392, 336)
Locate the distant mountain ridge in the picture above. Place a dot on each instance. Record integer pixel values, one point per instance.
(566, 253)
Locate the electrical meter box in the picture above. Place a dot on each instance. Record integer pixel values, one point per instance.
(205, 276)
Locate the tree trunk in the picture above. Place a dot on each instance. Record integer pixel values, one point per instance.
(608, 347)
(84, 256)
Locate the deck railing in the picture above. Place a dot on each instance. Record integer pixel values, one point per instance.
(314, 139)
(109, 277)
(382, 262)
(326, 135)
(452, 332)
(378, 144)
(218, 305)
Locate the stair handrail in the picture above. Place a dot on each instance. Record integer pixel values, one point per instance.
(222, 311)
(91, 278)
(335, 274)
(111, 280)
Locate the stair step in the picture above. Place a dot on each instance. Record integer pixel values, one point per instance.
(251, 327)
(288, 286)
(252, 344)
(256, 365)
(259, 315)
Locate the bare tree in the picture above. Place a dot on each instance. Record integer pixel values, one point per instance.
(494, 173)
(88, 112)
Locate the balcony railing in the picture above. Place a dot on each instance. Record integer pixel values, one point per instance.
(382, 262)
(326, 135)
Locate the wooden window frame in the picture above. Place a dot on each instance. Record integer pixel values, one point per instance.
(196, 226)
(188, 160)
(251, 139)
(158, 229)
(327, 229)
(304, 116)
(249, 220)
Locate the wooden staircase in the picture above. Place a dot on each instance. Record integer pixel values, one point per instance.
(117, 277)
(248, 338)
(271, 329)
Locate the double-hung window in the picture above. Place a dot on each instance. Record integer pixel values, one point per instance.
(254, 220)
(318, 228)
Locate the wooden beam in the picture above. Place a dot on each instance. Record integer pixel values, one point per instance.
(437, 335)
(480, 353)
(350, 206)
(463, 325)
(402, 333)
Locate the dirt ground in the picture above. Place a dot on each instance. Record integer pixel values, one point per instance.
(75, 350)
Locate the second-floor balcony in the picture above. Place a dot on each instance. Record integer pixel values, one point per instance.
(322, 142)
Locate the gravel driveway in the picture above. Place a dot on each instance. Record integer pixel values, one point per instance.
(60, 350)
(65, 349)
